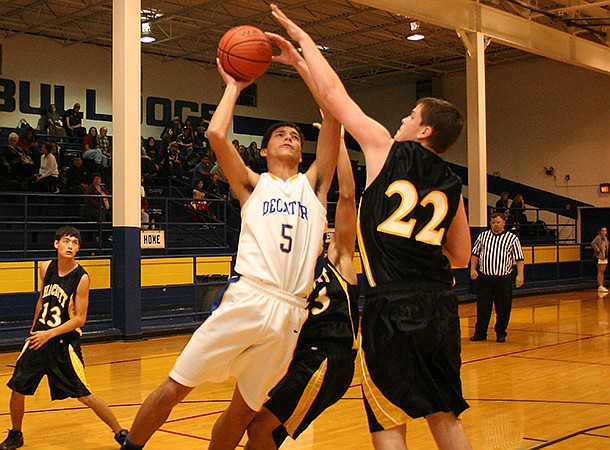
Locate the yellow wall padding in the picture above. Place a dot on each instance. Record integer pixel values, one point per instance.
(166, 271)
(17, 277)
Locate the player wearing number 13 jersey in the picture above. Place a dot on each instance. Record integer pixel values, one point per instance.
(413, 228)
(53, 348)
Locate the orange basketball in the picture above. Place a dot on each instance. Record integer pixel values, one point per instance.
(245, 52)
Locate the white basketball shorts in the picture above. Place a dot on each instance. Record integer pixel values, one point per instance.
(251, 336)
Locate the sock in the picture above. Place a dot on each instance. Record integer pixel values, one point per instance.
(128, 445)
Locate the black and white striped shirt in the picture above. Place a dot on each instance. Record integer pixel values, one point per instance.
(496, 252)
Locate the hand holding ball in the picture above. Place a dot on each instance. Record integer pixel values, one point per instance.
(245, 52)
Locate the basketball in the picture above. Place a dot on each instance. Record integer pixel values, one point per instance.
(245, 52)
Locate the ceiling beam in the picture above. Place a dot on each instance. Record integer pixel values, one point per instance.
(504, 28)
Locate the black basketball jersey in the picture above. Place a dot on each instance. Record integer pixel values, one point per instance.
(58, 298)
(404, 216)
(333, 311)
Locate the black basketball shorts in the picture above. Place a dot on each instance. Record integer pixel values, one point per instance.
(410, 354)
(60, 360)
(316, 379)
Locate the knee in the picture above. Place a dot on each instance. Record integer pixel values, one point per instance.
(257, 429)
(169, 393)
(86, 400)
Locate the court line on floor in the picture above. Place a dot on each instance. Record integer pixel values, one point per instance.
(560, 360)
(521, 400)
(540, 347)
(569, 436)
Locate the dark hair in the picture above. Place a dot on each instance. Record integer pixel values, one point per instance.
(95, 174)
(69, 231)
(277, 125)
(496, 214)
(445, 119)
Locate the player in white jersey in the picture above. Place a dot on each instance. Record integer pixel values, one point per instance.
(253, 333)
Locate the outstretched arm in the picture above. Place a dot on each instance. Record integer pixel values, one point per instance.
(343, 244)
(373, 137)
(241, 178)
(321, 172)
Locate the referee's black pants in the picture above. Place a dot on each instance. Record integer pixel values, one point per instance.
(498, 290)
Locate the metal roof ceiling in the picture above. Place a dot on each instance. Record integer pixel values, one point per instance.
(367, 46)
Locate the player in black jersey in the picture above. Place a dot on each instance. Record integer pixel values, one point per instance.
(53, 348)
(322, 368)
(412, 230)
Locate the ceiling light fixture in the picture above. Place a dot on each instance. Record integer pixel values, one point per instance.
(415, 34)
(147, 36)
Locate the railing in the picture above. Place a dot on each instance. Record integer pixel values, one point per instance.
(544, 226)
(28, 222)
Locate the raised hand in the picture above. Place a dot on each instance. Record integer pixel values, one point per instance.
(228, 79)
(294, 31)
(288, 54)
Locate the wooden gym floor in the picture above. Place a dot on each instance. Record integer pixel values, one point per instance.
(548, 386)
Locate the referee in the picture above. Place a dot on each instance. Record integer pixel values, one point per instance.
(494, 252)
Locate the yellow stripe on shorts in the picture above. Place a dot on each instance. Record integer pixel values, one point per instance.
(387, 413)
(78, 367)
(309, 395)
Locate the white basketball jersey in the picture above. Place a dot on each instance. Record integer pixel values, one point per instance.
(281, 234)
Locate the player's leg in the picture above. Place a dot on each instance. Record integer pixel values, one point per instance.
(156, 409)
(231, 425)
(101, 410)
(448, 431)
(260, 431)
(17, 407)
(390, 439)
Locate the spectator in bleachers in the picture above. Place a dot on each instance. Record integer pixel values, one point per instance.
(502, 204)
(29, 144)
(144, 217)
(517, 210)
(200, 127)
(92, 151)
(172, 163)
(54, 125)
(202, 171)
(241, 149)
(156, 156)
(57, 151)
(151, 147)
(97, 209)
(173, 129)
(73, 122)
(199, 207)
(76, 178)
(189, 154)
(216, 170)
(254, 155)
(47, 178)
(146, 166)
(20, 165)
(104, 142)
(42, 121)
